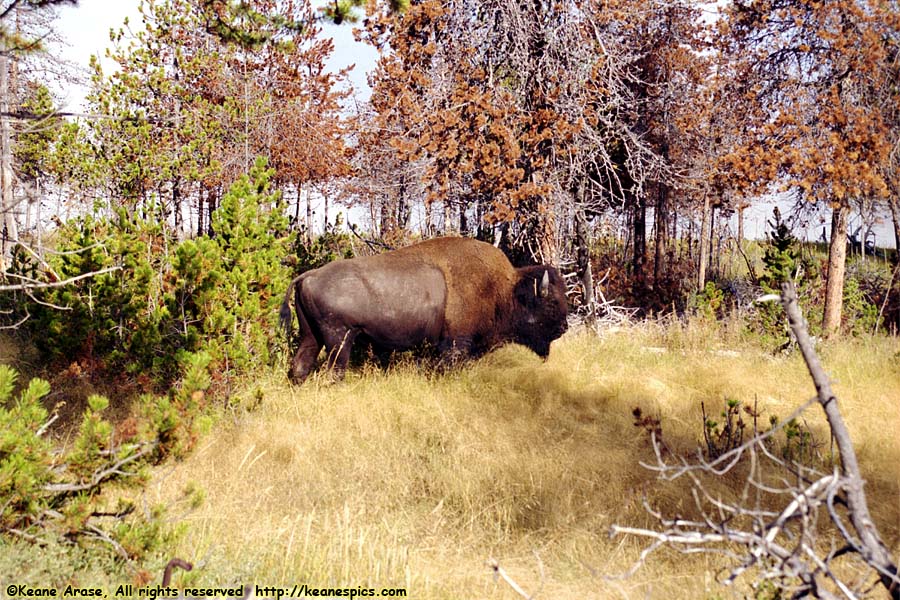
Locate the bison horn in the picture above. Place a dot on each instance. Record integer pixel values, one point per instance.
(545, 284)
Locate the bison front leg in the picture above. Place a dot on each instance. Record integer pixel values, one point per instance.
(304, 360)
(452, 351)
(337, 348)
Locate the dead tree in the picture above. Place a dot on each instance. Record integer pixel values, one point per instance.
(806, 531)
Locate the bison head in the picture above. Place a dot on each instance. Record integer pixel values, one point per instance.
(540, 308)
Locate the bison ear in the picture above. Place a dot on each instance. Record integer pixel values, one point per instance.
(545, 284)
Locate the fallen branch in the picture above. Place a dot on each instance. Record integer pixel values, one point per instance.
(784, 546)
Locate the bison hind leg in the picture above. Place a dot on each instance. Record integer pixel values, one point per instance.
(304, 360)
(337, 348)
(366, 350)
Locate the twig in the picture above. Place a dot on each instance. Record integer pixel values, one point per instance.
(99, 477)
(17, 323)
(887, 295)
(96, 532)
(47, 304)
(499, 572)
(371, 243)
(54, 284)
(44, 427)
(38, 258)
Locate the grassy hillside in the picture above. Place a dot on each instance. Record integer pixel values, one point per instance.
(406, 478)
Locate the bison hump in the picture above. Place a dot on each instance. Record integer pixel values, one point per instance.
(480, 284)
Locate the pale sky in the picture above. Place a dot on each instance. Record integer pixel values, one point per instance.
(86, 29)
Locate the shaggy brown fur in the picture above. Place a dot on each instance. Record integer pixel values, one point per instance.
(480, 282)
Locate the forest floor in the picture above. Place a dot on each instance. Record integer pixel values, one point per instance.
(409, 479)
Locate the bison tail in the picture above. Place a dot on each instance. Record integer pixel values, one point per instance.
(284, 314)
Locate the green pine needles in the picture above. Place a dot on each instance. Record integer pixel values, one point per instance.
(218, 294)
(58, 492)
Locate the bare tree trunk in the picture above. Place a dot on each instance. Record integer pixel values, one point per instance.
(481, 226)
(429, 220)
(713, 239)
(39, 230)
(9, 228)
(547, 236)
(895, 217)
(704, 248)
(385, 218)
(673, 234)
(176, 210)
(309, 217)
(837, 261)
(201, 199)
(661, 218)
(446, 226)
(582, 244)
(28, 202)
(640, 243)
(402, 207)
(210, 209)
(863, 231)
(690, 239)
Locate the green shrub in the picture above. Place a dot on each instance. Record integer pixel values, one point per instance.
(709, 303)
(784, 259)
(155, 298)
(110, 321)
(240, 313)
(25, 456)
(54, 491)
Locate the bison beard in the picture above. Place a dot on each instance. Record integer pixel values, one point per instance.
(456, 294)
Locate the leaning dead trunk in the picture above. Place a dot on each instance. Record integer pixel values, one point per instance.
(837, 261)
(868, 539)
(10, 231)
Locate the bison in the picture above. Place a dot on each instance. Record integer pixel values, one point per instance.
(457, 295)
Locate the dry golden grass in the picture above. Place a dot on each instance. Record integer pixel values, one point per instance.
(410, 479)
